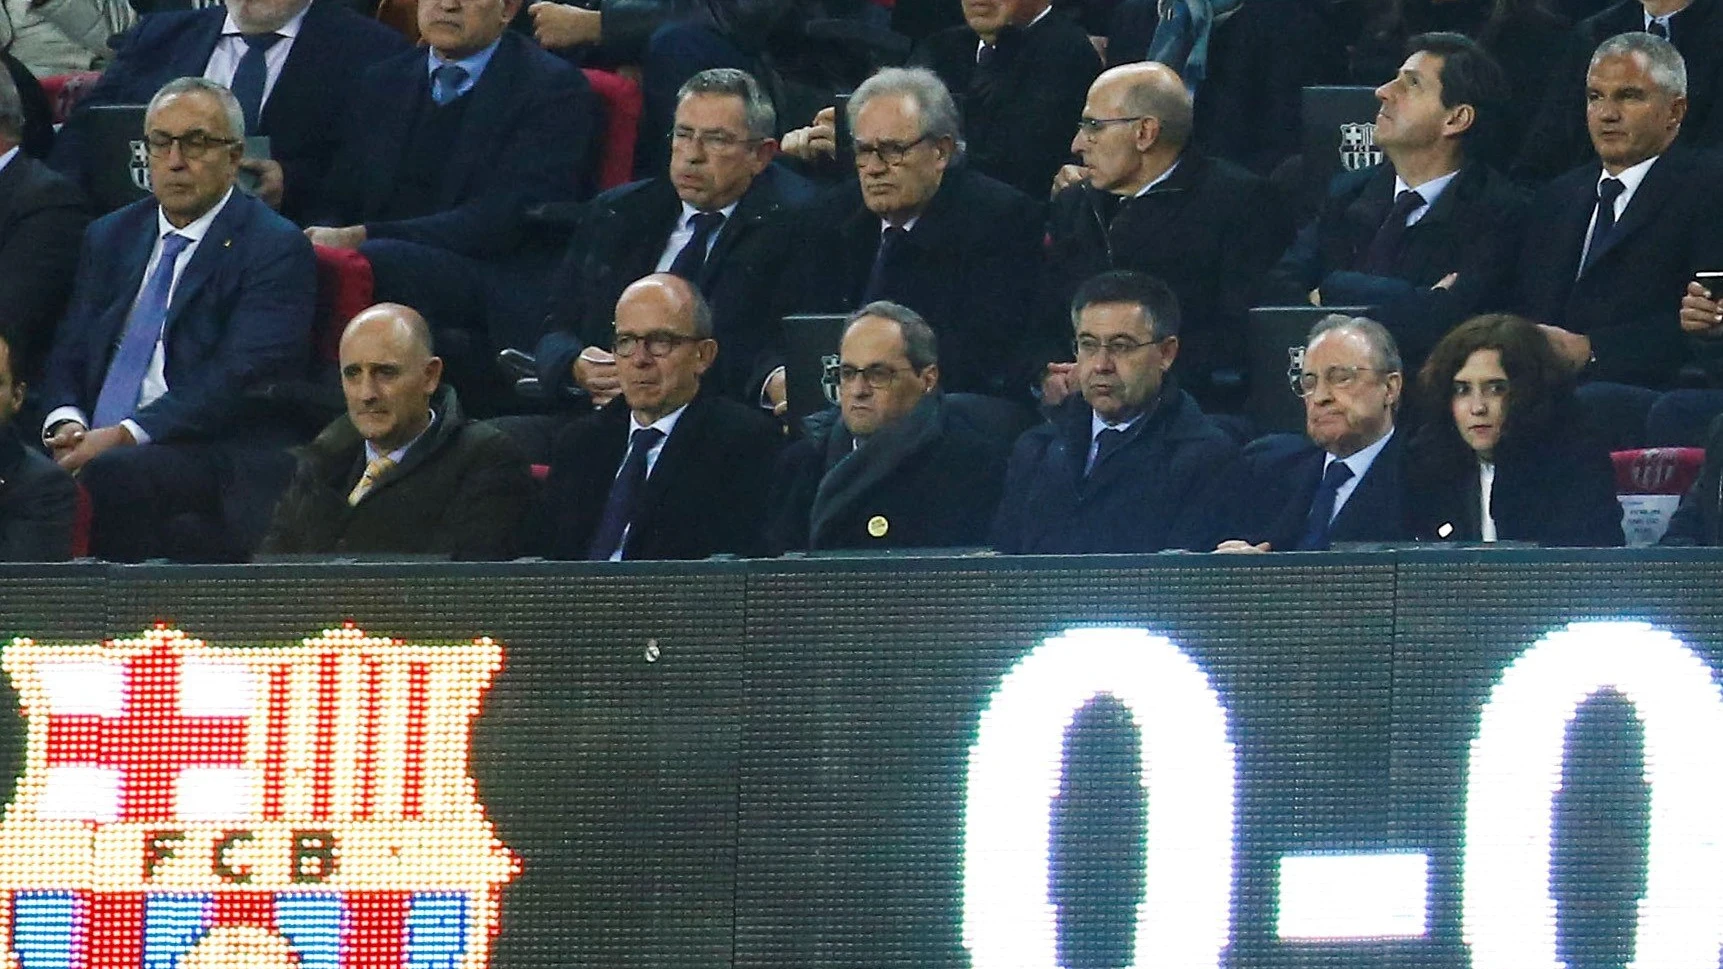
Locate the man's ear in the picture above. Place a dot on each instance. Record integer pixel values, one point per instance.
(1169, 352)
(1460, 119)
(929, 376)
(434, 371)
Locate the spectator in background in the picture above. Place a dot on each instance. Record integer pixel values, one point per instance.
(60, 36)
(1428, 237)
(37, 497)
(403, 471)
(443, 153)
(42, 220)
(1019, 71)
(1343, 481)
(900, 463)
(147, 396)
(1699, 518)
(1133, 465)
(292, 64)
(665, 471)
(1144, 199)
(1502, 455)
(1610, 247)
(39, 134)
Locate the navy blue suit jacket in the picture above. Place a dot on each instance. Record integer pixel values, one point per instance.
(1277, 482)
(240, 316)
(303, 114)
(524, 140)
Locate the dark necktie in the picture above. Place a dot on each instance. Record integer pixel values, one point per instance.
(446, 82)
(252, 75)
(624, 492)
(1608, 191)
(987, 56)
(889, 240)
(692, 259)
(1322, 507)
(1658, 29)
(1385, 248)
(131, 362)
(1106, 443)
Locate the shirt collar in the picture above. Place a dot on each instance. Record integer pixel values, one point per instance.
(1630, 177)
(230, 28)
(399, 453)
(666, 424)
(1158, 178)
(1361, 460)
(474, 64)
(6, 159)
(1097, 424)
(1430, 190)
(908, 224)
(198, 228)
(689, 212)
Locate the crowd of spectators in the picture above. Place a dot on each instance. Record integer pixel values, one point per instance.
(1045, 222)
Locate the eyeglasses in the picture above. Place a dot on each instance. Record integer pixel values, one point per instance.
(1090, 127)
(1305, 382)
(657, 343)
(888, 152)
(1120, 346)
(1489, 389)
(713, 142)
(879, 376)
(192, 144)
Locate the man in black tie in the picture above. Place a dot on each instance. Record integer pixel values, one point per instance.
(1428, 237)
(665, 471)
(1131, 465)
(1343, 482)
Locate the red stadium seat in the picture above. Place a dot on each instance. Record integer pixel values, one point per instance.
(1650, 484)
(65, 90)
(622, 103)
(344, 287)
(540, 472)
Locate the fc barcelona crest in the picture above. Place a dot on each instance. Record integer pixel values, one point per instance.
(138, 165)
(1358, 146)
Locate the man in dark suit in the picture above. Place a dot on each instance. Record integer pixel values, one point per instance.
(183, 303)
(1610, 247)
(1429, 237)
(1143, 199)
(1131, 465)
(923, 229)
(1019, 70)
(42, 220)
(403, 471)
(37, 497)
(1343, 483)
(900, 464)
(665, 471)
(445, 151)
(293, 65)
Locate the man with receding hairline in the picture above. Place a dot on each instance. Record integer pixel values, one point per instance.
(403, 472)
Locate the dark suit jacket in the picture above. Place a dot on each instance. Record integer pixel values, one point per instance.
(1162, 488)
(1629, 299)
(303, 114)
(42, 220)
(1699, 518)
(621, 235)
(1020, 113)
(461, 490)
(240, 317)
(523, 140)
(971, 267)
(706, 494)
(36, 502)
(1210, 231)
(1473, 229)
(1277, 481)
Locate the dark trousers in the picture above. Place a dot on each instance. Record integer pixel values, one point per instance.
(1616, 412)
(1682, 418)
(192, 502)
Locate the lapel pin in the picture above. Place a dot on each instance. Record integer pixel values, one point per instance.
(877, 526)
(228, 244)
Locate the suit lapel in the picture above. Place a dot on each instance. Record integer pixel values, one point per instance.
(1370, 209)
(11, 185)
(667, 470)
(751, 210)
(412, 78)
(1648, 201)
(191, 59)
(1295, 514)
(488, 109)
(212, 253)
(293, 86)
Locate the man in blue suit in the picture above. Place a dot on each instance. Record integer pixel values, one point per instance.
(291, 63)
(445, 152)
(183, 304)
(1343, 484)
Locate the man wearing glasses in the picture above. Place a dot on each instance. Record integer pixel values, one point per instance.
(664, 471)
(183, 303)
(900, 464)
(1131, 465)
(1344, 483)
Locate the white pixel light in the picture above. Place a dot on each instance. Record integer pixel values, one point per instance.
(1352, 896)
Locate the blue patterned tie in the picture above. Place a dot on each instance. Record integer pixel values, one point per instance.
(1322, 507)
(125, 381)
(619, 507)
(252, 75)
(446, 82)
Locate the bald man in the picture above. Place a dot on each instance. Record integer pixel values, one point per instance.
(1143, 199)
(403, 473)
(664, 471)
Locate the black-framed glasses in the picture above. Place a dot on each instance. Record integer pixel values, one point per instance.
(879, 376)
(1305, 382)
(715, 142)
(192, 144)
(1119, 346)
(888, 152)
(1090, 127)
(658, 343)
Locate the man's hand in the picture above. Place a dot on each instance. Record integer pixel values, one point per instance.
(819, 140)
(1447, 282)
(345, 237)
(1058, 381)
(595, 373)
(775, 394)
(271, 181)
(1238, 546)
(1573, 348)
(1700, 312)
(557, 25)
(1067, 176)
(89, 444)
(66, 436)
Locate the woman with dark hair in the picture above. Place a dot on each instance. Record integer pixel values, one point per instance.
(1502, 454)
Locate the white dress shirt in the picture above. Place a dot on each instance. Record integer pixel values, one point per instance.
(224, 60)
(1486, 487)
(6, 159)
(1360, 463)
(666, 424)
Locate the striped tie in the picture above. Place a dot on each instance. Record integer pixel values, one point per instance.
(373, 470)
